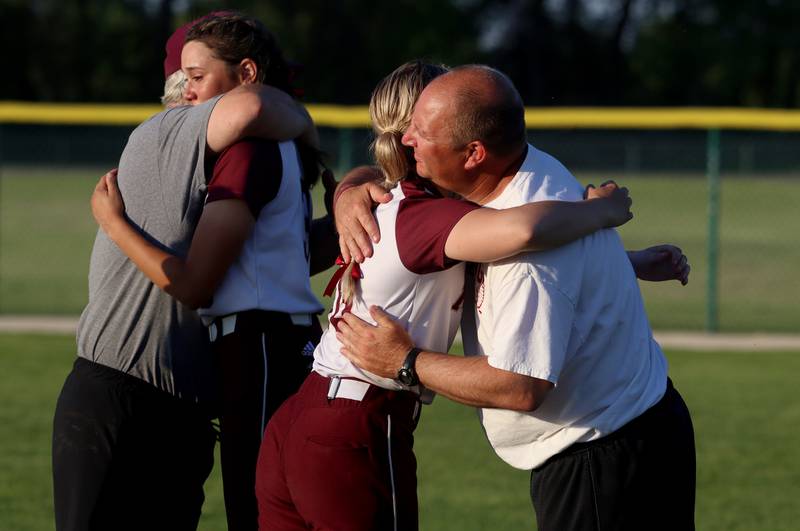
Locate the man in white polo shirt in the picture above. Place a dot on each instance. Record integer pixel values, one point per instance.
(560, 357)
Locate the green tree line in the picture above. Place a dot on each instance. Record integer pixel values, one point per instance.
(558, 52)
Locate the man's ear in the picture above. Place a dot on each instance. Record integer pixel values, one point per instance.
(248, 71)
(476, 155)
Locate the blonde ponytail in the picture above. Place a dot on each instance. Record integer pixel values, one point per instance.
(347, 284)
(390, 109)
(391, 156)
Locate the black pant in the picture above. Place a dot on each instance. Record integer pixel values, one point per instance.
(641, 477)
(260, 364)
(127, 456)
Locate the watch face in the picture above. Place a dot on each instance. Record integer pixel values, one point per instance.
(406, 373)
(406, 376)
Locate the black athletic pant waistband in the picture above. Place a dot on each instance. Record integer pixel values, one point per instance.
(640, 425)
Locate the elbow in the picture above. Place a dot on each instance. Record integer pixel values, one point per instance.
(529, 396)
(192, 303)
(529, 405)
(362, 174)
(537, 236)
(246, 114)
(525, 403)
(191, 298)
(198, 300)
(528, 236)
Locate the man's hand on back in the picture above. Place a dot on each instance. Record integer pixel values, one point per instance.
(357, 195)
(378, 349)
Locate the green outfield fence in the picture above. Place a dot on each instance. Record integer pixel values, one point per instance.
(654, 149)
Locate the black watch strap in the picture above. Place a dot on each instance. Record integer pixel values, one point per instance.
(407, 374)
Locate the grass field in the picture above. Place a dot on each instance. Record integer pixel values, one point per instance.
(46, 234)
(745, 407)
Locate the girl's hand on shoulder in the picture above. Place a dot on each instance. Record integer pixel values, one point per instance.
(617, 200)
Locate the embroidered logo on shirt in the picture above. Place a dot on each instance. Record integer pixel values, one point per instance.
(480, 289)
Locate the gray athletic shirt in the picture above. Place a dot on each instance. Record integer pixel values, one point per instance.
(129, 324)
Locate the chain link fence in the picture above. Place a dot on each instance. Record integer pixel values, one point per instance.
(46, 230)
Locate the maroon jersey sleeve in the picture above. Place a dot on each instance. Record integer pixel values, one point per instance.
(249, 170)
(424, 221)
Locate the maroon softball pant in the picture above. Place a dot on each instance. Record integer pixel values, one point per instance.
(333, 464)
(260, 364)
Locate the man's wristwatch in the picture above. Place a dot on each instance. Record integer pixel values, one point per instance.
(406, 375)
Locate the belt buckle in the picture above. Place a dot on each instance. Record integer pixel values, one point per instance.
(221, 327)
(333, 388)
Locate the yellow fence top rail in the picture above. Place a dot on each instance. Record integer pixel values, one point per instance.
(662, 118)
(75, 113)
(358, 116)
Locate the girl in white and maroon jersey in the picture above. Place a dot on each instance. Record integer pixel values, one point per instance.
(338, 454)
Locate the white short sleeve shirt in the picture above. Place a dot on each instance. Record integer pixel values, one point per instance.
(573, 316)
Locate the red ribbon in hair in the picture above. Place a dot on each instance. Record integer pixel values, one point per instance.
(355, 273)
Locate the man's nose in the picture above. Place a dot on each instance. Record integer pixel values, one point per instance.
(408, 138)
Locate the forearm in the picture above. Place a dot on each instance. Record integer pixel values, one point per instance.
(556, 223)
(382, 349)
(283, 119)
(356, 177)
(167, 271)
(258, 111)
(639, 263)
(323, 244)
(638, 260)
(487, 235)
(472, 381)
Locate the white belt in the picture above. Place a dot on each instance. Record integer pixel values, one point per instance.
(227, 324)
(301, 319)
(347, 388)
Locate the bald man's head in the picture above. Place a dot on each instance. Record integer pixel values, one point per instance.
(485, 106)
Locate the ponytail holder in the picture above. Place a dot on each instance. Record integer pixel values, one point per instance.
(355, 274)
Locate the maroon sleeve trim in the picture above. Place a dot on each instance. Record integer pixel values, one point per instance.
(424, 222)
(249, 170)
